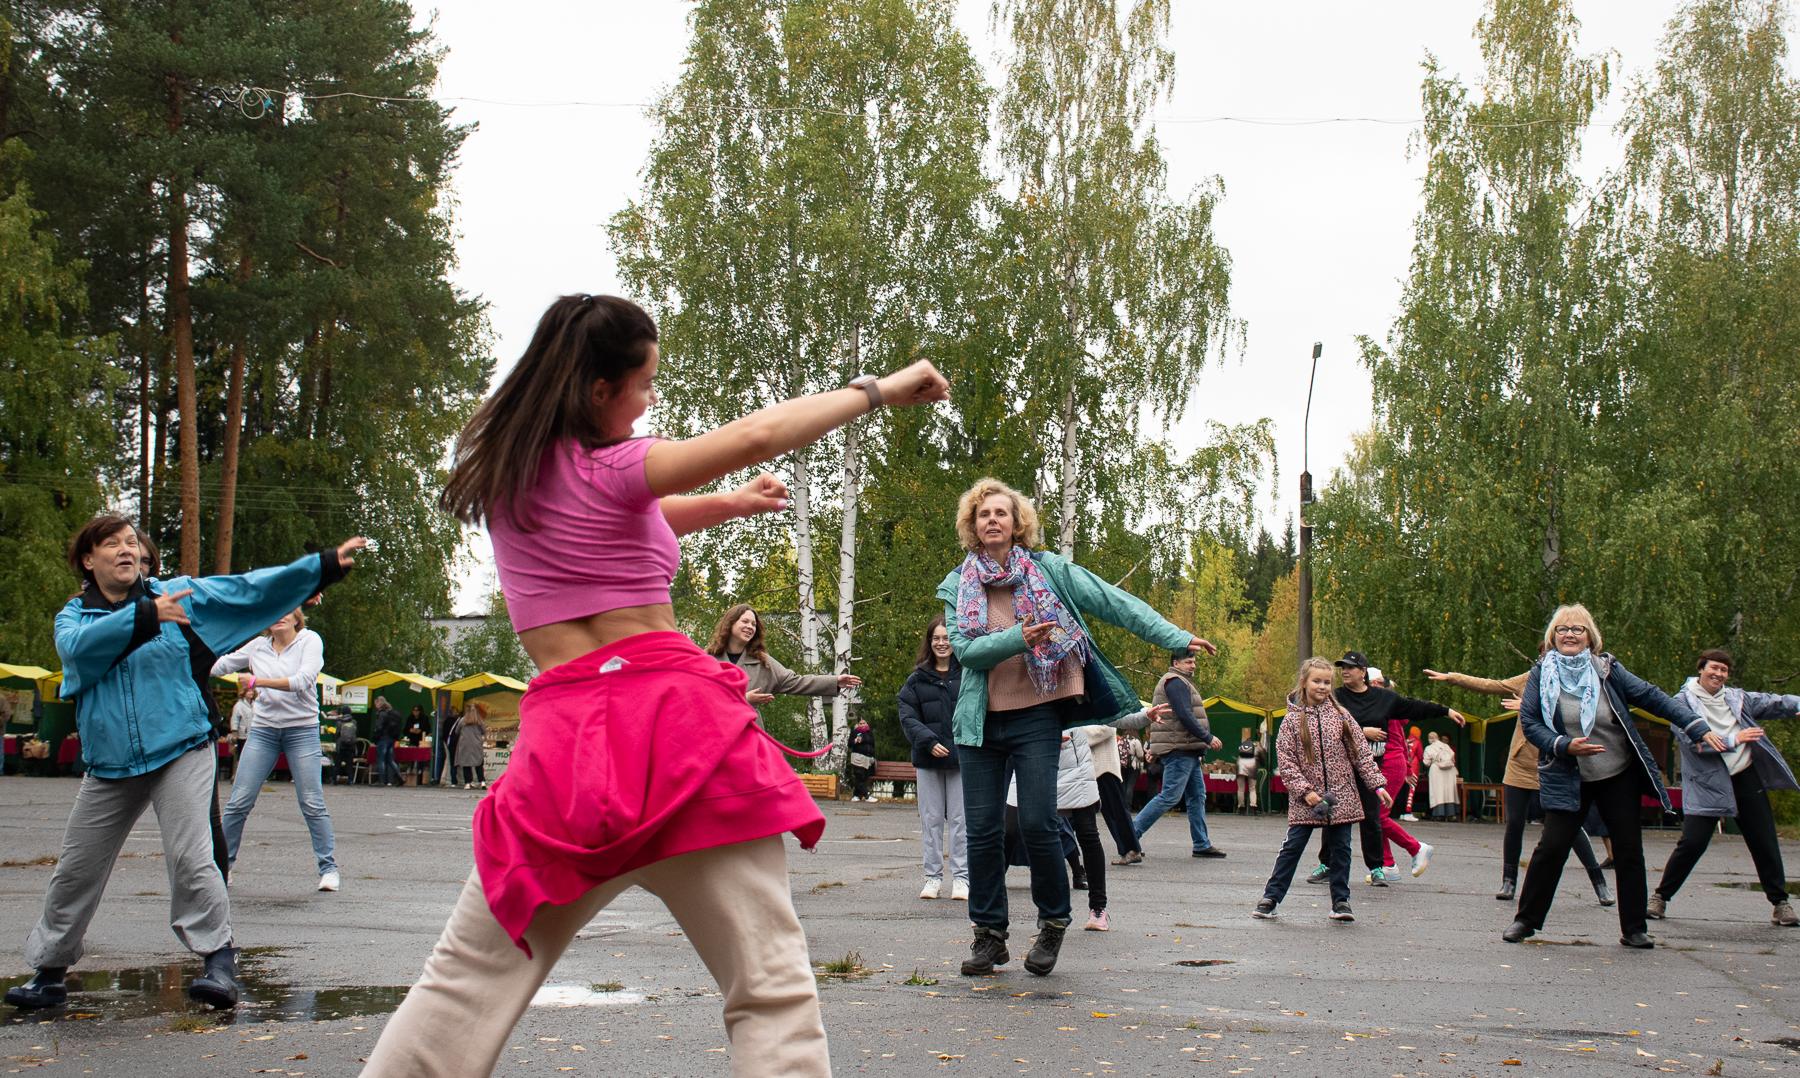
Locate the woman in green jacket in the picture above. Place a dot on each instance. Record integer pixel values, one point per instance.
(1030, 671)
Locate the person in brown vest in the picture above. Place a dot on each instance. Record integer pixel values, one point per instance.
(1180, 745)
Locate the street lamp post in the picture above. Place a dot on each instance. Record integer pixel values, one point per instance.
(1306, 497)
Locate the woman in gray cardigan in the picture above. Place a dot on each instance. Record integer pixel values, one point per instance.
(738, 639)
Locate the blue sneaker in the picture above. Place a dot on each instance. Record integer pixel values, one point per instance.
(1319, 875)
(1376, 878)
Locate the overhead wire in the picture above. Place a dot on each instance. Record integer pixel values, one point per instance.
(256, 102)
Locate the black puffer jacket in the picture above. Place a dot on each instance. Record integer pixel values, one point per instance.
(928, 712)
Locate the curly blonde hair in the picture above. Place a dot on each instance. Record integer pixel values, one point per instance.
(1025, 519)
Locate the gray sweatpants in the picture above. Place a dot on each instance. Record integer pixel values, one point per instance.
(181, 793)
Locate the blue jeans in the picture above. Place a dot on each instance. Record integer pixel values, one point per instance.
(1030, 739)
(385, 765)
(1337, 856)
(1181, 771)
(301, 746)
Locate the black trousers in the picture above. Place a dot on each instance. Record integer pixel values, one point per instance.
(1754, 819)
(1368, 829)
(1617, 800)
(1087, 837)
(1118, 815)
(1518, 812)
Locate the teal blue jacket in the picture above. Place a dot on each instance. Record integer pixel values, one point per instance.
(1084, 594)
(137, 706)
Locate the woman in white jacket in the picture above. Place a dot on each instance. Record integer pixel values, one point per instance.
(1441, 759)
(284, 666)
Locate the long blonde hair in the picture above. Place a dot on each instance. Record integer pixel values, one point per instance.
(1573, 614)
(1298, 699)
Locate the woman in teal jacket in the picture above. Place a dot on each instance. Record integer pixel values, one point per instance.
(1030, 671)
(125, 645)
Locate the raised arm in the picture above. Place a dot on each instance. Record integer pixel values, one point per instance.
(678, 467)
(1487, 686)
(1119, 607)
(688, 513)
(226, 610)
(1640, 693)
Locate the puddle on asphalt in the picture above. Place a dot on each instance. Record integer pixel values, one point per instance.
(1752, 885)
(1205, 962)
(581, 995)
(114, 995)
(1792, 1044)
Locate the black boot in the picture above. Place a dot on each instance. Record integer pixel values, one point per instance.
(1045, 948)
(1078, 878)
(1508, 890)
(218, 986)
(45, 989)
(988, 951)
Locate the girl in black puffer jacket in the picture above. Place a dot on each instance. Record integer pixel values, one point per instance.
(927, 706)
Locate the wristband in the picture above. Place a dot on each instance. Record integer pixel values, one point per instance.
(249, 683)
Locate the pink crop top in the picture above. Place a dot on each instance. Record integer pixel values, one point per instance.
(600, 542)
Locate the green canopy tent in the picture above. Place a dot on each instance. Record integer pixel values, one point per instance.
(402, 691)
(500, 696)
(19, 696)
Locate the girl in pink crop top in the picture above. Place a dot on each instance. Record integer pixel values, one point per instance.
(601, 541)
(638, 760)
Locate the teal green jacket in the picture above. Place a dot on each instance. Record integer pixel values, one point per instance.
(1084, 594)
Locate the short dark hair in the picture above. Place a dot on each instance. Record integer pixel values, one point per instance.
(1713, 655)
(96, 531)
(151, 553)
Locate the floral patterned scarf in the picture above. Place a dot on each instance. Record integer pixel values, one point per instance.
(1032, 601)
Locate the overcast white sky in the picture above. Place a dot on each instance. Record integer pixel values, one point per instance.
(1318, 219)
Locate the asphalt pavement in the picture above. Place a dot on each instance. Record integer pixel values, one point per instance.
(1420, 984)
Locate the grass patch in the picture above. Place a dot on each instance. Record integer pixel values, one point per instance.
(865, 838)
(191, 1023)
(47, 859)
(920, 979)
(607, 986)
(821, 888)
(847, 968)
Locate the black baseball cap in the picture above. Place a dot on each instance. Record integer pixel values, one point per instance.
(1353, 658)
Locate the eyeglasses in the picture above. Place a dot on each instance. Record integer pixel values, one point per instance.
(1571, 630)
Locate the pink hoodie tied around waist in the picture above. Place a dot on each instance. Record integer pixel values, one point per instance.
(637, 752)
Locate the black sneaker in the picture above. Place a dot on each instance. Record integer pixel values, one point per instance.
(1045, 948)
(988, 951)
(1638, 941)
(1265, 910)
(1340, 911)
(1210, 851)
(1079, 882)
(45, 989)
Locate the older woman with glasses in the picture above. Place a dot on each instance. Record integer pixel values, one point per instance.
(1575, 709)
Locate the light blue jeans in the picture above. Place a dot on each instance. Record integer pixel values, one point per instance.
(1181, 771)
(256, 761)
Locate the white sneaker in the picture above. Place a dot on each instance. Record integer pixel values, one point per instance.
(932, 889)
(1422, 859)
(468, 786)
(1410, 818)
(329, 881)
(959, 890)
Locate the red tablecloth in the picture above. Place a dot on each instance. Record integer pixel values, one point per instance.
(405, 754)
(12, 745)
(69, 752)
(1221, 784)
(1674, 799)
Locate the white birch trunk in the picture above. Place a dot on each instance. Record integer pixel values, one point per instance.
(1065, 543)
(846, 606)
(803, 572)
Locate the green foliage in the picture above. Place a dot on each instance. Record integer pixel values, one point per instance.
(492, 647)
(321, 248)
(54, 435)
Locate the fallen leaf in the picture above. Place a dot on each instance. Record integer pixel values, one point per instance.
(1512, 1063)
(1102, 1014)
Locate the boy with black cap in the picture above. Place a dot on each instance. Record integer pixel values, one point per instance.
(1380, 712)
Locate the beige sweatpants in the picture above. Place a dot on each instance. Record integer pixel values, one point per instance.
(733, 903)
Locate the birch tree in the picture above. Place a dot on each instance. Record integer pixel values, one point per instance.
(1116, 294)
(808, 213)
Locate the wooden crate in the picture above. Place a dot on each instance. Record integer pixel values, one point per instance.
(821, 786)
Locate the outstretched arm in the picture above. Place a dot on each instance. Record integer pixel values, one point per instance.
(688, 513)
(678, 467)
